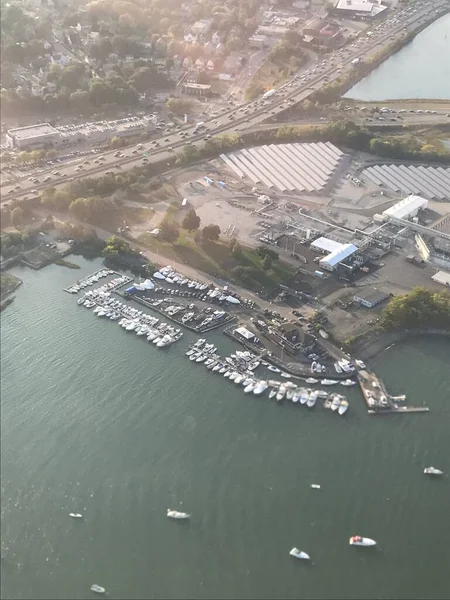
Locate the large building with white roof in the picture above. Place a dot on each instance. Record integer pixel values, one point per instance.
(362, 9)
(332, 260)
(406, 209)
(33, 137)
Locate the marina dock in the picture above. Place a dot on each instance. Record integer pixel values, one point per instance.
(378, 399)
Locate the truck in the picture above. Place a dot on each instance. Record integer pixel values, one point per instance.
(268, 94)
(356, 61)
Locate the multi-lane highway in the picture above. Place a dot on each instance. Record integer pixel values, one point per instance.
(248, 116)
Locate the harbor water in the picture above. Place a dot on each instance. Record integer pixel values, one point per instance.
(421, 69)
(97, 421)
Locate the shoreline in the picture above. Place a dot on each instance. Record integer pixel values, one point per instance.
(374, 344)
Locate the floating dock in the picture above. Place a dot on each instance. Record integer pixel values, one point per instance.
(377, 398)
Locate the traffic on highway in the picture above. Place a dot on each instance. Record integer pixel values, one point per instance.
(235, 119)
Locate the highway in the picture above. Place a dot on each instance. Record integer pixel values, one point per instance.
(239, 119)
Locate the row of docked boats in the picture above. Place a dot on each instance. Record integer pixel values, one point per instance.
(171, 276)
(88, 281)
(131, 319)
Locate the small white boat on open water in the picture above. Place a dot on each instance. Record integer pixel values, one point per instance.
(432, 471)
(357, 540)
(75, 515)
(296, 553)
(98, 589)
(175, 514)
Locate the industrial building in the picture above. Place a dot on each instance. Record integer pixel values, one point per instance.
(369, 298)
(406, 209)
(332, 260)
(358, 9)
(33, 137)
(442, 277)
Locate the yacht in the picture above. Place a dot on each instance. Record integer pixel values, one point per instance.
(152, 335)
(272, 393)
(250, 387)
(360, 364)
(296, 553)
(239, 379)
(329, 382)
(281, 392)
(296, 396)
(336, 402)
(311, 399)
(260, 388)
(432, 471)
(233, 375)
(246, 381)
(166, 341)
(315, 486)
(143, 330)
(274, 369)
(285, 375)
(217, 367)
(304, 395)
(98, 589)
(175, 514)
(312, 380)
(343, 408)
(81, 300)
(348, 383)
(201, 358)
(290, 394)
(357, 540)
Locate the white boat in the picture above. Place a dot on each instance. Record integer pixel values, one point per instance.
(239, 379)
(175, 514)
(233, 375)
(260, 388)
(217, 367)
(285, 375)
(336, 402)
(297, 394)
(272, 393)
(432, 471)
(304, 395)
(312, 380)
(312, 399)
(250, 387)
(357, 540)
(81, 300)
(343, 408)
(315, 486)
(290, 393)
(313, 366)
(348, 383)
(296, 553)
(274, 369)
(337, 367)
(98, 589)
(75, 515)
(360, 364)
(329, 382)
(324, 334)
(247, 381)
(281, 392)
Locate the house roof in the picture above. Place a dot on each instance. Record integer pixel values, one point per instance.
(371, 295)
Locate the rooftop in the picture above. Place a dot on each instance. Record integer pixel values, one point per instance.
(371, 295)
(31, 131)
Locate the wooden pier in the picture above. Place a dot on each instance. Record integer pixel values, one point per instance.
(378, 399)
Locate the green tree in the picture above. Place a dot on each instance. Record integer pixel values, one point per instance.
(267, 263)
(17, 215)
(100, 93)
(170, 231)
(80, 100)
(262, 252)
(211, 232)
(191, 221)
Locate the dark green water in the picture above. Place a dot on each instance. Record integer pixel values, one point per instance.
(96, 420)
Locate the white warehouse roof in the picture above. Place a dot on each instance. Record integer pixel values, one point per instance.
(326, 244)
(338, 256)
(442, 277)
(407, 207)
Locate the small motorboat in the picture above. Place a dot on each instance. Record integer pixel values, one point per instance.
(175, 514)
(312, 380)
(98, 589)
(343, 408)
(312, 399)
(285, 375)
(281, 392)
(274, 369)
(315, 486)
(272, 393)
(432, 471)
(336, 402)
(75, 515)
(260, 387)
(360, 364)
(296, 553)
(348, 383)
(250, 387)
(357, 540)
(290, 393)
(329, 382)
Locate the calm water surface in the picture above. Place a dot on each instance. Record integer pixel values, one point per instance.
(98, 421)
(419, 70)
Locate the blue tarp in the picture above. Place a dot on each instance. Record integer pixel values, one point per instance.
(222, 183)
(130, 290)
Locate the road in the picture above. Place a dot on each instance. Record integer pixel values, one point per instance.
(245, 117)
